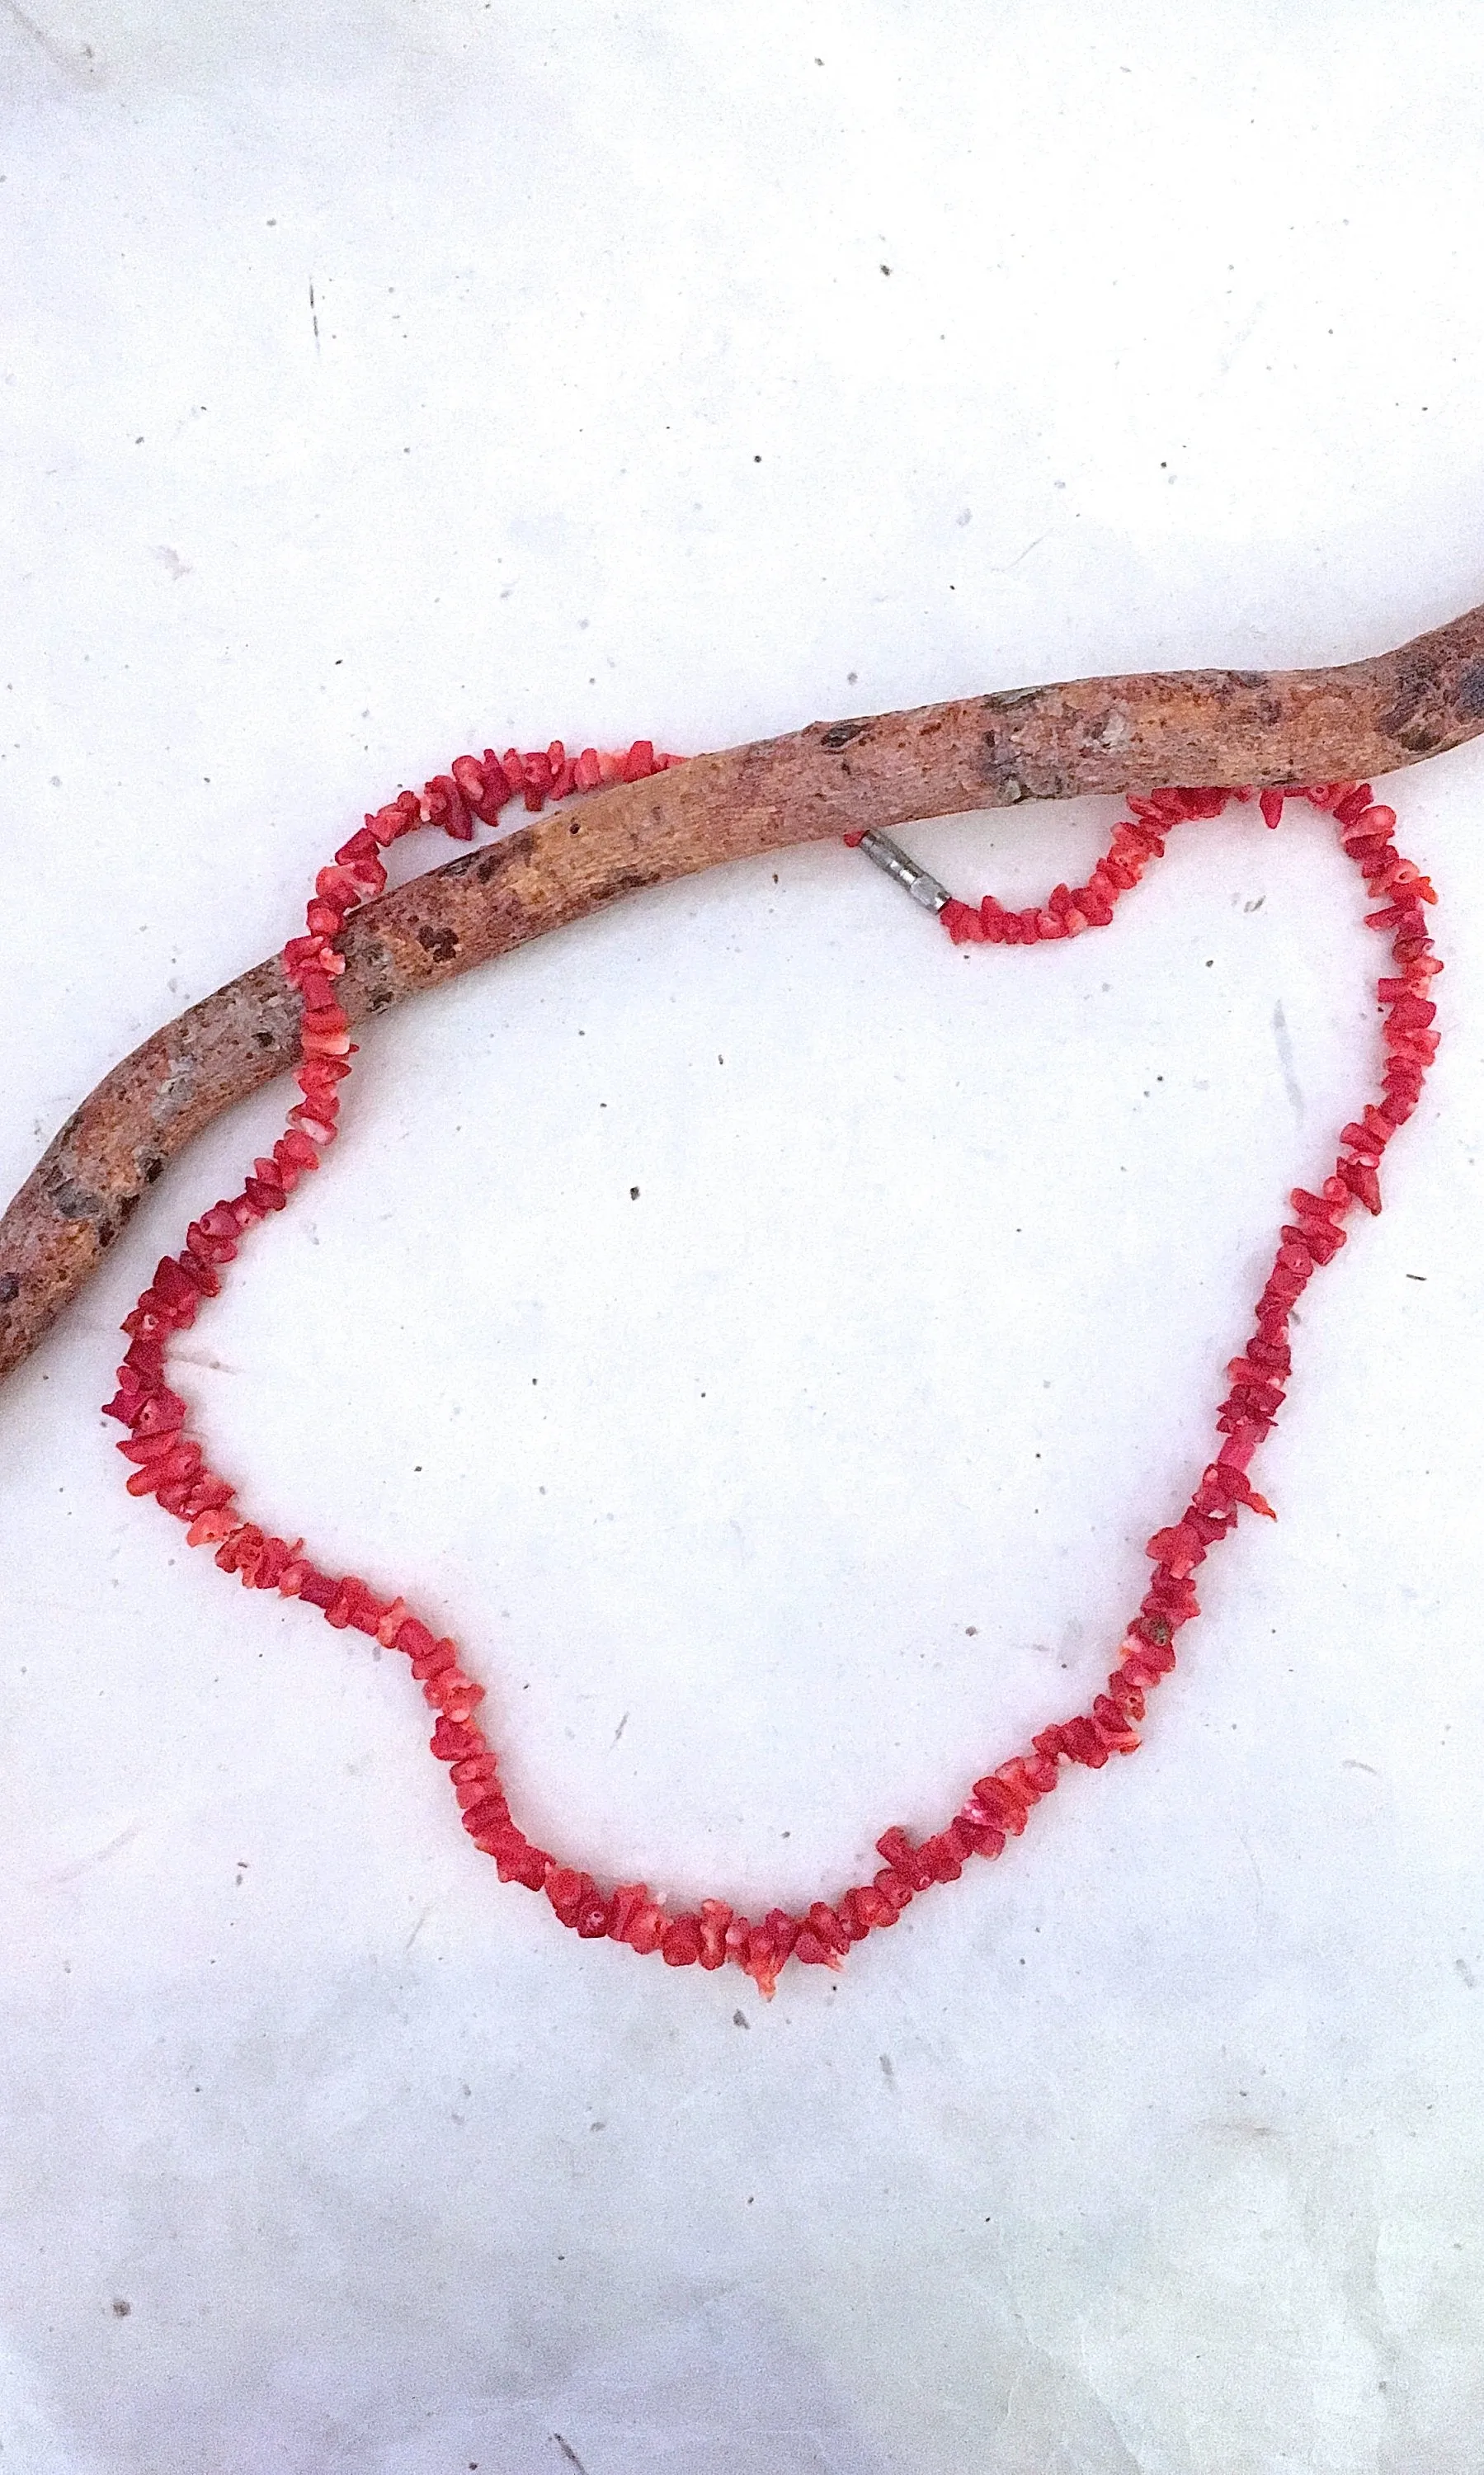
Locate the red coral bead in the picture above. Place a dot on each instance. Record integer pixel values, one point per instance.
(338, 1611)
(872, 1907)
(158, 1413)
(1125, 1693)
(712, 1927)
(681, 1945)
(565, 1890)
(212, 1525)
(940, 1858)
(983, 1837)
(518, 1861)
(966, 926)
(453, 1692)
(469, 1768)
(623, 1907)
(476, 788)
(440, 1658)
(823, 1923)
(449, 1742)
(1001, 1804)
(762, 1961)
(1363, 1181)
(906, 1859)
(645, 1930)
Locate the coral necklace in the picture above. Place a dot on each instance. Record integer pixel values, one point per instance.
(169, 1463)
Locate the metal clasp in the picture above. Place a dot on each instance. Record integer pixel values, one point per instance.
(895, 862)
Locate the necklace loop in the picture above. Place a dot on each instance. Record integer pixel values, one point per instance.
(168, 1462)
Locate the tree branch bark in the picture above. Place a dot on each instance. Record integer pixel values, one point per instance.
(1119, 734)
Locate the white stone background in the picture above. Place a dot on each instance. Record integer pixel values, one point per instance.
(824, 1468)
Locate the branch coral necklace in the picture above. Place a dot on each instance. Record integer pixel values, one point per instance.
(169, 1463)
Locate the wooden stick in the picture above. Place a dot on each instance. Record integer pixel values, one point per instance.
(1047, 743)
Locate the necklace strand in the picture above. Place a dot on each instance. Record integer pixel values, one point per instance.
(170, 1465)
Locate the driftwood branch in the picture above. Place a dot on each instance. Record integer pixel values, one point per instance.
(1048, 742)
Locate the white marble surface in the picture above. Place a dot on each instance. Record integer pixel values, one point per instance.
(772, 1504)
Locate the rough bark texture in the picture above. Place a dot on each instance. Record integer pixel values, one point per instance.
(1131, 733)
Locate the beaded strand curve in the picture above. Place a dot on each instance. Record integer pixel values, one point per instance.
(170, 1465)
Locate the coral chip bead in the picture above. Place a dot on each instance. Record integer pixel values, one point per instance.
(681, 1945)
(646, 1929)
(712, 1927)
